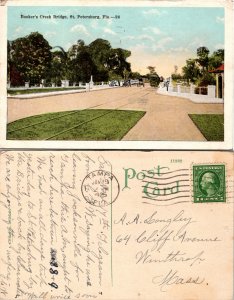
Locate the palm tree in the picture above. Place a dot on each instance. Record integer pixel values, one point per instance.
(203, 57)
(62, 54)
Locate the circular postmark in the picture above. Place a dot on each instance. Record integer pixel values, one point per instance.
(100, 188)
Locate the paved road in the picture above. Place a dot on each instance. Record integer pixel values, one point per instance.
(166, 117)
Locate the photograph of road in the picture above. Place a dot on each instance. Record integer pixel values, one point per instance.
(112, 73)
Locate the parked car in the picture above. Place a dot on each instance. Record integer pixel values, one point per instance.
(114, 83)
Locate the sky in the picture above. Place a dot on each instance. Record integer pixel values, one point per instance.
(163, 37)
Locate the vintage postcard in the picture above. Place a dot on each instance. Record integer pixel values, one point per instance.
(116, 225)
(125, 74)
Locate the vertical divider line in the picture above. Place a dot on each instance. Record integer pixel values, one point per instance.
(111, 237)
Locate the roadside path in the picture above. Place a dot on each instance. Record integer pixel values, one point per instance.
(166, 117)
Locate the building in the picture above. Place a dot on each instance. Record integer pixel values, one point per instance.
(219, 74)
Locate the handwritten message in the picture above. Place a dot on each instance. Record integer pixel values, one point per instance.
(57, 244)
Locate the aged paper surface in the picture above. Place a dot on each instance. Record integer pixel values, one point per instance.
(159, 34)
(116, 225)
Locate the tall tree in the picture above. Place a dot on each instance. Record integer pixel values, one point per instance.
(109, 62)
(100, 51)
(151, 69)
(203, 57)
(81, 65)
(58, 69)
(153, 77)
(75, 49)
(14, 78)
(117, 61)
(191, 71)
(31, 57)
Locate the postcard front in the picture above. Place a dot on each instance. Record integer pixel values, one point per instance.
(116, 225)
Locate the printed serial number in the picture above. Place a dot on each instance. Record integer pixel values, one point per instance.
(176, 160)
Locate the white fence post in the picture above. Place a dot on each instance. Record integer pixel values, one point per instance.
(87, 86)
(192, 87)
(42, 83)
(178, 88)
(65, 83)
(211, 91)
(170, 85)
(91, 83)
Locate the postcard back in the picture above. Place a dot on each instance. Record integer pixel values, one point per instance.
(116, 225)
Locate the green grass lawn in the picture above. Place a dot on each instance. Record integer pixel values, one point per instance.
(40, 90)
(83, 125)
(210, 125)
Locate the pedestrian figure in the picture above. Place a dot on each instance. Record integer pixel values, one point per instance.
(141, 82)
(167, 85)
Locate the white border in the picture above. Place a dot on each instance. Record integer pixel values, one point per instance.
(171, 145)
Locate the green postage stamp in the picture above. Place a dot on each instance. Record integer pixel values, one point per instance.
(209, 183)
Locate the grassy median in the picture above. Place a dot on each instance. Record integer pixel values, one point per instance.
(210, 125)
(95, 125)
(40, 90)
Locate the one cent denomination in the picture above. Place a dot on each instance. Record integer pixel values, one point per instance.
(100, 188)
(209, 183)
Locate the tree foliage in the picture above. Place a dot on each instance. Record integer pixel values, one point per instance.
(216, 59)
(153, 77)
(34, 59)
(191, 70)
(57, 69)
(31, 57)
(206, 79)
(197, 70)
(203, 57)
(136, 75)
(176, 76)
(100, 50)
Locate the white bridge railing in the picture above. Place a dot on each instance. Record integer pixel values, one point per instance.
(196, 94)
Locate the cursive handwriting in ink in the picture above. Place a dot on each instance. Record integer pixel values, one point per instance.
(53, 270)
(174, 278)
(146, 257)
